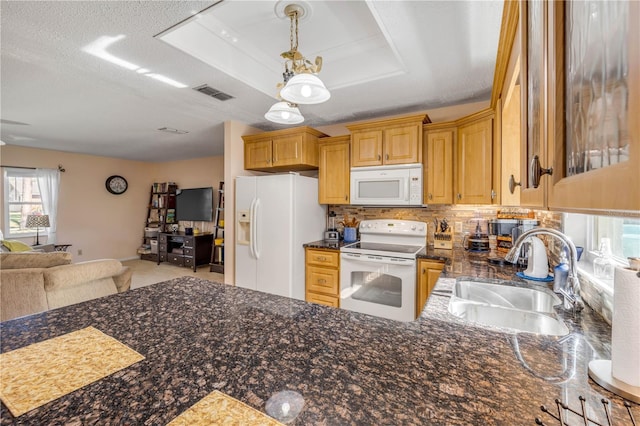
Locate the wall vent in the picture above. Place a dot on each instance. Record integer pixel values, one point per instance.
(214, 93)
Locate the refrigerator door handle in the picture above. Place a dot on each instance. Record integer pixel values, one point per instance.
(254, 239)
(252, 225)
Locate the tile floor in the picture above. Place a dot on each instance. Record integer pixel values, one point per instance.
(146, 272)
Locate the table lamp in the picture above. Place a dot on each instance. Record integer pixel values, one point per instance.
(36, 221)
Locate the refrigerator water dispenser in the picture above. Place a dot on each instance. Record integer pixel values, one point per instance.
(244, 228)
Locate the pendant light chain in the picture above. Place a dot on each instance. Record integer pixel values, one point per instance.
(294, 47)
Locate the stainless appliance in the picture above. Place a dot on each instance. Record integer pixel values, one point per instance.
(276, 215)
(331, 235)
(378, 273)
(478, 241)
(504, 230)
(396, 185)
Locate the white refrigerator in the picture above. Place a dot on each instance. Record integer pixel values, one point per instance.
(275, 216)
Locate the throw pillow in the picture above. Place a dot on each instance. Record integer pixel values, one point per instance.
(15, 246)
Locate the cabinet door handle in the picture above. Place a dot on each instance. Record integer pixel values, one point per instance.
(322, 281)
(386, 157)
(379, 157)
(430, 196)
(346, 197)
(459, 196)
(321, 258)
(536, 171)
(513, 184)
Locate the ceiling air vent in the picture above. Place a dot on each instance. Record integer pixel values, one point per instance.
(214, 93)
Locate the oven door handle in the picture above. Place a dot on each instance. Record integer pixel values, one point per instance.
(365, 258)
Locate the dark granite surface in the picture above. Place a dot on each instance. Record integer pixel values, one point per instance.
(198, 336)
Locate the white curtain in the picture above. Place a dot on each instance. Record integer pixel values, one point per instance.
(48, 182)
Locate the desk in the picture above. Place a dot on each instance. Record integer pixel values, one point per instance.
(184, 250)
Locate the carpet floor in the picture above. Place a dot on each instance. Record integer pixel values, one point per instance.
(146, 272)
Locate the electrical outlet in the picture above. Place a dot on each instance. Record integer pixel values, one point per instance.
(458, 227)
(79, 252)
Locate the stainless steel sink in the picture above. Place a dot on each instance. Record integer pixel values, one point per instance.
(499, 305)
(506, 296)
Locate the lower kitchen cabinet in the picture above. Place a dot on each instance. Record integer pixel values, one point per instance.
(322, 276)
(428, 273)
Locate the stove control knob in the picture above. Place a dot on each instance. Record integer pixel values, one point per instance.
(413, 227)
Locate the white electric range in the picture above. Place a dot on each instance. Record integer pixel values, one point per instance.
(378, 273)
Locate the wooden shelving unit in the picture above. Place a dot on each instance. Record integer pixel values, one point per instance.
(217, 251)
(161, 214)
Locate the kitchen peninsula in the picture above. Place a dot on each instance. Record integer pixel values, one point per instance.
(198, 336)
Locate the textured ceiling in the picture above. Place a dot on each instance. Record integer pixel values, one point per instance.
(380, 58)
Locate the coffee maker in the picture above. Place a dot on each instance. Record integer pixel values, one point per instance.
(507, 232)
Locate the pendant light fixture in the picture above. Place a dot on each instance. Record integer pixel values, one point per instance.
(301, 83)
(284, 113)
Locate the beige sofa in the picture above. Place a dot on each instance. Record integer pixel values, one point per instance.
(32, 282)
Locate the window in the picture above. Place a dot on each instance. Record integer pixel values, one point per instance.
(623, 232)
(22, 198)
(588, 231)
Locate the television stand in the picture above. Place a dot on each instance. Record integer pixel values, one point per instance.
(184, 250)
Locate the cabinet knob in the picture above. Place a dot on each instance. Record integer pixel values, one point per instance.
(459, 196)
(536, 171)
(513, 184)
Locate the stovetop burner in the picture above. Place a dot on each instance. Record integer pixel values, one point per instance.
(382, 247)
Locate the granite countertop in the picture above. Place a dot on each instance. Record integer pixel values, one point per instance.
(198, 336)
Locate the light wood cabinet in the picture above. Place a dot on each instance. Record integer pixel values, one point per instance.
(438, 164)
(322, 276)
(474, 160)
(428, 273)
(392, 141)
(292, 149)
(334, 170)
(560, 114)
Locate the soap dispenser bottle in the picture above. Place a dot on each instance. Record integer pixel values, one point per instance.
(561, 273)
(603, 264)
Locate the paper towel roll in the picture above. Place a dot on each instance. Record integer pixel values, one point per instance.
(625, 327)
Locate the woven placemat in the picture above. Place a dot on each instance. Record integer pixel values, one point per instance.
(39, 373)
(218, 408)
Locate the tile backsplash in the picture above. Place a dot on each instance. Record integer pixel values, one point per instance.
(591, 293)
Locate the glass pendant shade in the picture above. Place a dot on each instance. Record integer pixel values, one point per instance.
(284, 113)
(305, 89)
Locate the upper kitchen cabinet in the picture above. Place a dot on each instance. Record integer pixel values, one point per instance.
(580, 69)
(438, 163)
(392, 141)
(594, 107)
(474, 159)
(334, 170)
(506, 98)
(293, 149)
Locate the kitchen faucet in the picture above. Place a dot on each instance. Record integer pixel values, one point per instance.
(572, 287)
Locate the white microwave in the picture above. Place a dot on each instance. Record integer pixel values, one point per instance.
(396, 185)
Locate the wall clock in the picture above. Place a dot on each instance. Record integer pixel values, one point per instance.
(116, 184)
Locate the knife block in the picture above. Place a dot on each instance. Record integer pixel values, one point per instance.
(443, 240)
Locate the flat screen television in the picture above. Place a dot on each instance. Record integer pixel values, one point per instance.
(194, 204)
